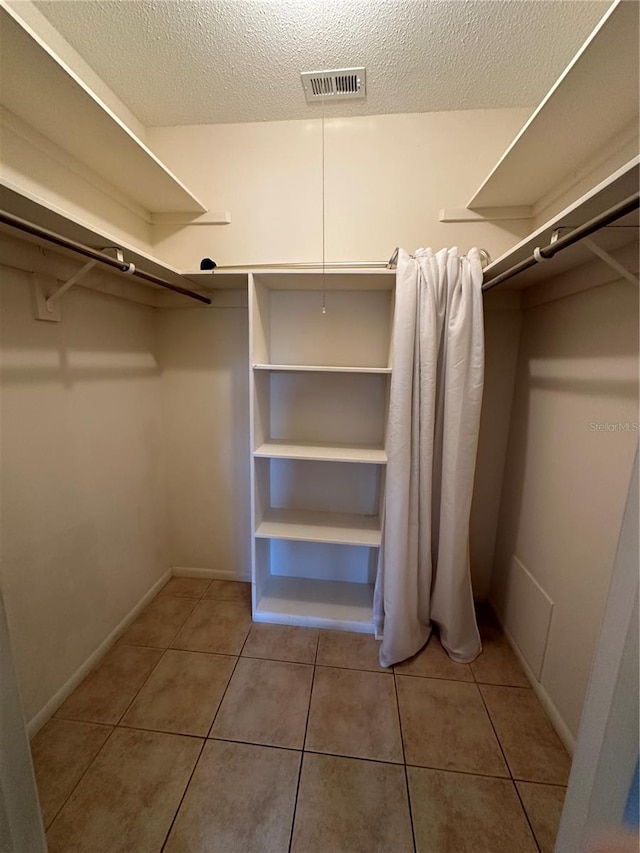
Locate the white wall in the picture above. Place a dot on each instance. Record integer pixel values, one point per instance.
(565, 484)
(386, 179)
(204, 359)
(607, 750)
(502, 322)
(204, 356)
(82, 483)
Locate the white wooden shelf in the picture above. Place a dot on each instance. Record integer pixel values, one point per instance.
(594, 102)
(31, 207)
(316, 368)
(44, 92)
(211, 280)
(330, 527)
(316, 603)
(617, 187)
(321, 452)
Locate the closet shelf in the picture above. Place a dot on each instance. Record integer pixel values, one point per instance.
(590, 106)
(617, 187)
(210, 280)
(39, 88)
(330, 527)
(321, 452)
(316, 368)
(33, 208)
(316, 603)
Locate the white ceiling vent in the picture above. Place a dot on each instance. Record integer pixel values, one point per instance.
(343, 84)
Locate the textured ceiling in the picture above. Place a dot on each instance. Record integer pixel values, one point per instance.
(176, 62)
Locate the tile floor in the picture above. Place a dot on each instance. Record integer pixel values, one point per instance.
(200, 731)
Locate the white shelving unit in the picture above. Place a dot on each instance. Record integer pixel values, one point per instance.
(319, 401)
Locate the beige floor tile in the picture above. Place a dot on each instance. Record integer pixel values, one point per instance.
(532, 748)
(105, 694)
(543, 804)
(240, 800)
(61, 752)
(497, 663)
(266, 703)
(351, 651)
(128, 797)
(351, 806)
(433, 662)
(458, 813)
(230, 591)
(354, 713)
(445, 725)
(182, 694)
(185, 587)
(215, 626)
(159, 622)
(281, 642)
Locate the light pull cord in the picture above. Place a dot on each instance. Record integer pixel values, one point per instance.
(324, 272)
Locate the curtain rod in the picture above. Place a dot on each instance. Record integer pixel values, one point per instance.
(94, 254)
(603, 219)
(391, 264)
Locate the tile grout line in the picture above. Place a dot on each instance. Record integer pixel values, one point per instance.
(122, 716)
(404, 760)
(506, 761)
(204, 741)
(304, 742)
(113, 726)
(184, 793)
(235, 666)
(82, 775)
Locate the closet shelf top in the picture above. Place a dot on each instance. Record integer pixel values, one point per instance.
(42, 91)
(592, 105)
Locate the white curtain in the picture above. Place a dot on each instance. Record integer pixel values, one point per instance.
(434, 415)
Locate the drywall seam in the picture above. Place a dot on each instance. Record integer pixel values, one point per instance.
(211, 574)
(45, 713)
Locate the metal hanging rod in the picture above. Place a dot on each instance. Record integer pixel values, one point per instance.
(95, 255)
(616, 212)
(391, 264)
(338, 265)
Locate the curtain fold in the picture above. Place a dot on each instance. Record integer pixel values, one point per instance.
(432, 436)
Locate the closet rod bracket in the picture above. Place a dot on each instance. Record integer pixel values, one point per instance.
(609, 260)
(48, 295)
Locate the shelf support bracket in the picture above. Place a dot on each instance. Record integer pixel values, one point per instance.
(609, 260)
(47, 299)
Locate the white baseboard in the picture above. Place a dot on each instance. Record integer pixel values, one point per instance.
(44, 714)
(211, 574)
(545, 700)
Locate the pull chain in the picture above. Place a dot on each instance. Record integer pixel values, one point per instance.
(324, 272)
